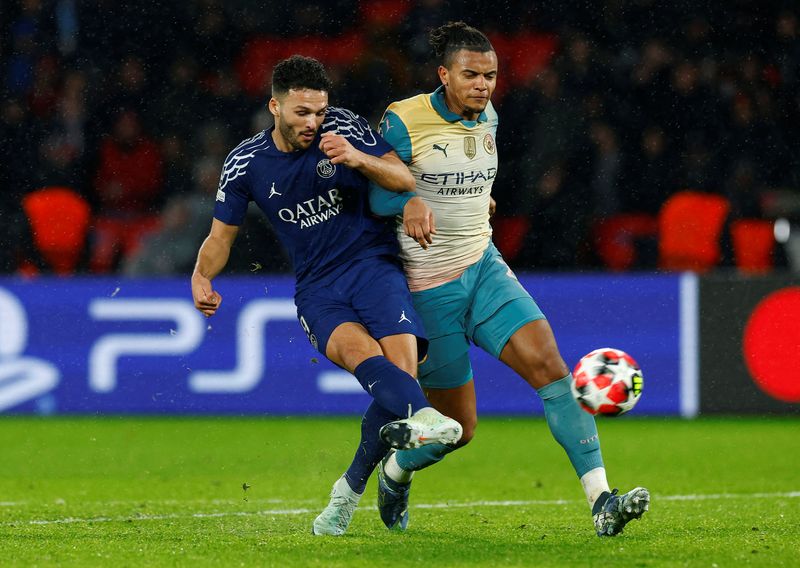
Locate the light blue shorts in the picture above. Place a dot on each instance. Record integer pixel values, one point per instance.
(486, 305)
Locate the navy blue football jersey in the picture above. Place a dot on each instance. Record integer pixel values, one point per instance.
(319, 210)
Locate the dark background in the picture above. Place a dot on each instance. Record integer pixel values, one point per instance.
(726, 304)
(606, 108)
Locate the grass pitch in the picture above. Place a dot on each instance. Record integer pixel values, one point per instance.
(243, 492)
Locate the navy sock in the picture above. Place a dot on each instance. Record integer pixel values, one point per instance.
(571, 426)
(390, 386)
(371, 450)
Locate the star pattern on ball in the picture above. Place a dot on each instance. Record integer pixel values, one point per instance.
(596, 397)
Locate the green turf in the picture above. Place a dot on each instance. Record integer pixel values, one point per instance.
(129, 492)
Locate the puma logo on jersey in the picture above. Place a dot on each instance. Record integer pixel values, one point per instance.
(442, 149)
(273, 191)
(403, 318)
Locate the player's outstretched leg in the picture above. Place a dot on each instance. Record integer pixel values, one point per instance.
(424, 427)
(611, 512)
(397, 469)
(336, 517)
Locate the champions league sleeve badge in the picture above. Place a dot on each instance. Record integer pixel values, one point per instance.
(469, 146)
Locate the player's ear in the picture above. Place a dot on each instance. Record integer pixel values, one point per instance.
(274, 106)
(444, 75)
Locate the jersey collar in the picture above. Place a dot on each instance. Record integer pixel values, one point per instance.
(437, 100)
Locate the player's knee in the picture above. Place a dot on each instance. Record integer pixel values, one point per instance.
(350, 345)
(468, 432)
(351, 356)
(548, 366)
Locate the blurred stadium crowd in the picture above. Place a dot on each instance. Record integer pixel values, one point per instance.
(115, 118)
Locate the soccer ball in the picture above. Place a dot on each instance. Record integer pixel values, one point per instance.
(607, 381)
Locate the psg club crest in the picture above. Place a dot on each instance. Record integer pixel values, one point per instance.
(488, 143)
(325, 169)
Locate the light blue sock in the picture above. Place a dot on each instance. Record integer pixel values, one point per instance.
(420, 458)
(571, 426)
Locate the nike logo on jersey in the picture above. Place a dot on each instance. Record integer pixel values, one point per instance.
(442, 149)
(273, 191)
(403, 317)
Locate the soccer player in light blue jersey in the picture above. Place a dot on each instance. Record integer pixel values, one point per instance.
(310, 176)
(460, 284)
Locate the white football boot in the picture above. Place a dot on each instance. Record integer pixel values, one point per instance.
(426, 426)
(336, 517)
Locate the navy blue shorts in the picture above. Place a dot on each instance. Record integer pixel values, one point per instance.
(372, 292)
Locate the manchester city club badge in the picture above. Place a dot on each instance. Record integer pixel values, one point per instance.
(488, 143)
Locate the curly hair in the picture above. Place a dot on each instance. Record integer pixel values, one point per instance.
(454, 36)
(299, 72)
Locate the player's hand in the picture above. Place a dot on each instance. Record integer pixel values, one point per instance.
(419, 222)
(205, 298)
(492, 206)
(339, 150)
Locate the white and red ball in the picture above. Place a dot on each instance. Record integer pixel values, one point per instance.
(607, 381)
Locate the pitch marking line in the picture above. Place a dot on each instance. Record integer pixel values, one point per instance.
(278, 512)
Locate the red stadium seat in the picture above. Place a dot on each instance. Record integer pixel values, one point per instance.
(258, 57)
(690, 224)
(753, 244)
(615, 238)
(59, 218)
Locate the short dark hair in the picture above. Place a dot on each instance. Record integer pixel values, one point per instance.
(299, 72)
(455, 36)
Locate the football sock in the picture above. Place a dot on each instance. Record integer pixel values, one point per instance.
(391, 387)
(422, 457)
(394, 472)
(371, 449)
(571, 426)
(594, 484)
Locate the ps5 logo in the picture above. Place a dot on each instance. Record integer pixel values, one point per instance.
(22, 378)
(120, 330)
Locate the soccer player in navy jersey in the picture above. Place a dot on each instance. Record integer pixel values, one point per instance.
(462, 287)
(310, 175)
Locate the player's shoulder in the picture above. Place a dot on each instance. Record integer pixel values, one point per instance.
(239, 158)
(249, 146)
(411, 105)
(350, 125)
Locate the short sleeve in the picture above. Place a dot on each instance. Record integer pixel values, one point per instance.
(233, 194)
(385, 203)
(357, 131)
(394, 131)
